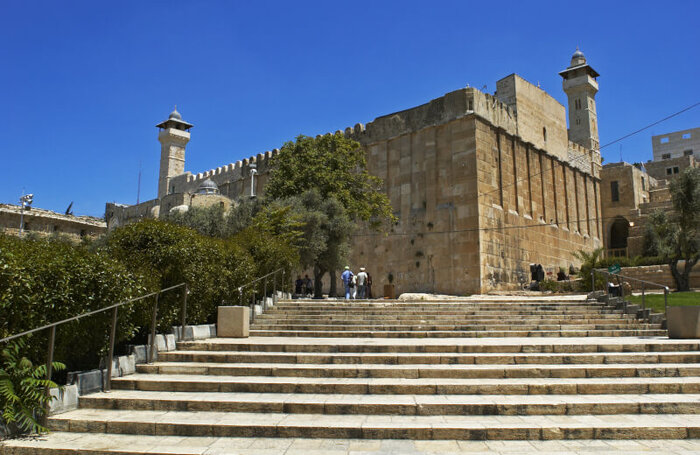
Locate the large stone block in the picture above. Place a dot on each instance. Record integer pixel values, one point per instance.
(233, 321)
(683, 321)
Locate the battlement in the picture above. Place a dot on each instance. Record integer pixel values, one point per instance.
(188, 182)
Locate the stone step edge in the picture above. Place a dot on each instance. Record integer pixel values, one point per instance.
(424, 386)
(340, 404)
(457, 334)
(618, 426)
(575, 358)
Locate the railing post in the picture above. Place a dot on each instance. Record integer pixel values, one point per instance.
(643, 302)
(274, 288)
(666, 302)
(240, 296)
(151, 350)
(283, 282)
(49, 372)
(183, 313)
(252, 306)
(110, 357)
(593, 280)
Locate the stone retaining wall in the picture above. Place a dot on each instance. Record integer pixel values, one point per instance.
(660, 274)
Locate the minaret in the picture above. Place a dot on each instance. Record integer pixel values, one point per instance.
(580, 85)
(173, 136)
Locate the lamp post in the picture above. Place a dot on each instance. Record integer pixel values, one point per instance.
(253, 171)
(26, 201)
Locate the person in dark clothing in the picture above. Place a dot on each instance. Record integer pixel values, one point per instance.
(299, 285)
(308, 286)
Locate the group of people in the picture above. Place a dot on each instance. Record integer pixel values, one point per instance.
(304, 286)
(357, 286)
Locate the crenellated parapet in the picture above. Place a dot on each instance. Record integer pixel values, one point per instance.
(225, 175)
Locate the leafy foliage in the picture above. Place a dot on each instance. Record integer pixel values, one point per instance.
(212, 268)
(336, 167)
(22, 388)
(45, 280)
(589, 261)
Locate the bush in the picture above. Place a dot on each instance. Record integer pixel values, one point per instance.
(44, 281)
(212, 268)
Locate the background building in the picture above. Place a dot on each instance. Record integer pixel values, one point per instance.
(676, 145)
(46, 222)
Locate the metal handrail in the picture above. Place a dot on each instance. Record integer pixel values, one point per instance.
(622, 288)
(107, 384)
(89, 313)
(264, 277)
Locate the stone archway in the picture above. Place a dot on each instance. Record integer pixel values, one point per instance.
(617, 238)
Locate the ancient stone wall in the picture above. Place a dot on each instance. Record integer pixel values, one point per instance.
(532, 209)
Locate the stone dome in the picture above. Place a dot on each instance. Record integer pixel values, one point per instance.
(208, 187)
(175, 114)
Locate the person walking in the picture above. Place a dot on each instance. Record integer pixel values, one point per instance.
(347, 277)
(308, 286)
(354, 287)
(362, 283)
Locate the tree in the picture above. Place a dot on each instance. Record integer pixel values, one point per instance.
(325, 230)
(676, 236)
(335, 168)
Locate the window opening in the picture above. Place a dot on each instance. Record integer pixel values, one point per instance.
(614, 191)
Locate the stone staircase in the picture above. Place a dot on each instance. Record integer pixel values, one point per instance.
(431, 372)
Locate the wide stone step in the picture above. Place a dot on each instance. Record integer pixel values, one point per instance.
(283, 325)
(393, 386)
(235, 424)
(458, 333)
(352, 318)
(459, 345)
(423, 371)
(63, 443)
(420, 405)
(429, 358)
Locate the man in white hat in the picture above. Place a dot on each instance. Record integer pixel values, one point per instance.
(362, 283)
(347, 277)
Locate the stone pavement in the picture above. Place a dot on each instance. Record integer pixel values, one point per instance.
(510, 375)
(92, 444)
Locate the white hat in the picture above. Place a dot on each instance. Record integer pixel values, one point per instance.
(347, 267)
(362, 269)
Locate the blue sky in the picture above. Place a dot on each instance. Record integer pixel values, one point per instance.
(83, 84)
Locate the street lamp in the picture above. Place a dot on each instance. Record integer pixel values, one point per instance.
(26, 201)
(253, 171)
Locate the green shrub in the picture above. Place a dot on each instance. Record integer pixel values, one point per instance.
(23, 397)
(212, 268)
(45, 280)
